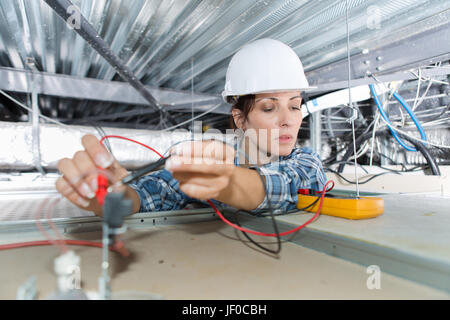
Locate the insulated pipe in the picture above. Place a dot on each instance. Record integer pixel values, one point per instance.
(88, 33)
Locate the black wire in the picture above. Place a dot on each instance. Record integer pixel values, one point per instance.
(419, 146)
(275, 227)
(349, 162)
(359, 182)
(286, 212)
(273, 221)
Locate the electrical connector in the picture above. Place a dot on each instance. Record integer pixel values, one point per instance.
(102, 188)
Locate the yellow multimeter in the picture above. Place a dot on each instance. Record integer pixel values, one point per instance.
(344, 207)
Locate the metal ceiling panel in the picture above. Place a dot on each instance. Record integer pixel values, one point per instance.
(186, 45)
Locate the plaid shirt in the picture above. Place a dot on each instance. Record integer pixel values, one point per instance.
(302, 169)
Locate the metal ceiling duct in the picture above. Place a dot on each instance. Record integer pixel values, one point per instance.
(57, 142)
(187, 45)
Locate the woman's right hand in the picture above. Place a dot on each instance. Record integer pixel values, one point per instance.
(78, 182)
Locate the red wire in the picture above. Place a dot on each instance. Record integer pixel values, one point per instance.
(324, 190)
(274, 234)
(100, 245)
(48, 242)
(60, 238)
(128, 139)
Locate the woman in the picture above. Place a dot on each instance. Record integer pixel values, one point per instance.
(264, 82)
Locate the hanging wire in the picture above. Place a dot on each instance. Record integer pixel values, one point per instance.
(355, 112)
(192, 97)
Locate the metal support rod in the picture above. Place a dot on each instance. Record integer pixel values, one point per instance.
(35, 118)
(354, 115)
(104, 281)
(88, 33)
(315, 128)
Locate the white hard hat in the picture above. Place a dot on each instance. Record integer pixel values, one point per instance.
(265, 65)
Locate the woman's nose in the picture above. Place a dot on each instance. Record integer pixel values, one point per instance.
(284, 117)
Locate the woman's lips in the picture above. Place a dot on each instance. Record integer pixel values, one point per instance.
(285, 138)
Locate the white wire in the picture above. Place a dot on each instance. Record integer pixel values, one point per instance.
(418, 89)
(196, 117)
(30, 110)
(376, 123)
(429, 79)
(417, 104)
(373, 137)
(412, 137)
(425, 98)
(407, 134)
(361, 151)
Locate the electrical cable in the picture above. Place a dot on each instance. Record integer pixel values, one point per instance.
(354, 182)
(351, 163)
(275, 227)
(419, 80)
(324, 190)
(391, 127)
(407, 108)
(192, 119)
(420, 147)
(425, 142)
(20, 104)
(131, 140)
(276, 234)
(282, 233)
(60, 240)
(261, 214)
(48, 242)
(38, 223)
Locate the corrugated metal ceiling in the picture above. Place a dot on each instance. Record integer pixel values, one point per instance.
(172, 42)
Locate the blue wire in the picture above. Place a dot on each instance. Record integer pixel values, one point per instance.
(410, 112)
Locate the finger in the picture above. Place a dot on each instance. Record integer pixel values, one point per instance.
(84, 163)
(63, 187)
(199, 192)
(97, 151)
(207, 180)
(202, 165)
(74, 177)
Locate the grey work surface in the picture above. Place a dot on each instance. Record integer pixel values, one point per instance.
(417, 223)
(411, 239)
(207, 260)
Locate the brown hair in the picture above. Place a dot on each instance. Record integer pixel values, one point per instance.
(245, 104)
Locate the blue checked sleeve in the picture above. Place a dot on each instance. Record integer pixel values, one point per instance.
(302, 169)
(159, 191)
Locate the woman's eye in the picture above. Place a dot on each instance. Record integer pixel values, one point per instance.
(296, 108)
(267, 108)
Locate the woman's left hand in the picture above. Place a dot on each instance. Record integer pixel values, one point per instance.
(203, 168)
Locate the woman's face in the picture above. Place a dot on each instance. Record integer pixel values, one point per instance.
(277, 115)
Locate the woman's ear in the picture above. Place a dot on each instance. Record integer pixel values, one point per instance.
(237, 117)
